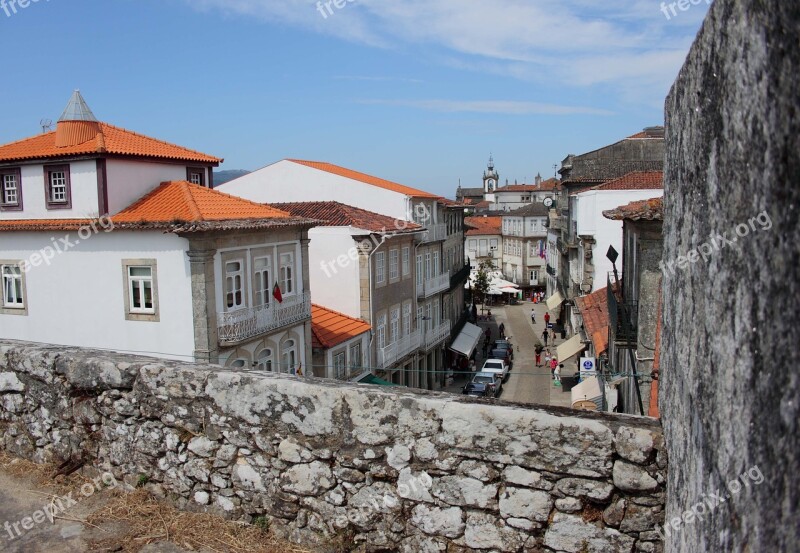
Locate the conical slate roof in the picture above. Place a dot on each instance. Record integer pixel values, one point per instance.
(77, 109)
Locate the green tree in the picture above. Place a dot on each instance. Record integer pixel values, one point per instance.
(482, 281)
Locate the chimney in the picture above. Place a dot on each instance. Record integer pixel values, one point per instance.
(77, 124)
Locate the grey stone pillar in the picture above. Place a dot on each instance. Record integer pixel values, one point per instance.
(206, 339)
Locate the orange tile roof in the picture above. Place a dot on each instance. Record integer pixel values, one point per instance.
(330, 328)
(483, 225)
(336, 214)
(594, 310)
(104, 139)
(651, 210)
(191, 203)
(44, 224)
(635, 180)
(179, 206)
(363, 177)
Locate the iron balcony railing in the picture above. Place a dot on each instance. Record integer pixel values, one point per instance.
(395, 351)
(243, 324)
(433, 286)
(437, 335)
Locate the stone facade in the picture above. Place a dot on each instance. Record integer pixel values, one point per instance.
(390, 470)
(729, 392)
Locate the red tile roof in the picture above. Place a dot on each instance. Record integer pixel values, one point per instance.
(635, 180)
(594, 310)
(363, 177)
(330, 328)
(186, 202)
(483, 225)
(649, 210)
(336, 214)
(178, 206)
(101, 138)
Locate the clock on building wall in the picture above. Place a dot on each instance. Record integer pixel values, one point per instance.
(548, 202)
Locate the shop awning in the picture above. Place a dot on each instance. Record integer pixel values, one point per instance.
(467, 340)
(372, 379)
(586, 391)
(554, 301)
(570, 348)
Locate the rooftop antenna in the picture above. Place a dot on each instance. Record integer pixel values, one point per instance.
(46, 124)
(555, 168)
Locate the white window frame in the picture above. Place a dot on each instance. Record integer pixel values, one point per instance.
(138, 295)
(289, 356)
(13, 289)
(356, 356)
(406, 261)
(340, 365)
(230, 279)
(7, 190)
(407, 319)
(381, 332)
(287, 273)
(259, 273)
(265, 363)
(394, 325)
(140, 314)
(380, 268)
(394, 264)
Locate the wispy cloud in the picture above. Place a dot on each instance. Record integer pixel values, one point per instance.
(376, 79)
(627, 45)
(490, 106)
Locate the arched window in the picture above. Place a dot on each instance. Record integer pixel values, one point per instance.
(238, 364)
(264, 360)
(289, 357)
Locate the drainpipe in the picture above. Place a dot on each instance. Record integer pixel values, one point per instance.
(371, 306)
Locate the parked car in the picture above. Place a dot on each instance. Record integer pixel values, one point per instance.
(504, 354)
(496, 366)
(484, 385)
(504, 344)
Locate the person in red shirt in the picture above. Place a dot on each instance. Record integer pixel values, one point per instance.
(547, 318)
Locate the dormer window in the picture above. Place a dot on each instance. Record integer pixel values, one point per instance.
(196, 175)
(58, 192)
(10, 190)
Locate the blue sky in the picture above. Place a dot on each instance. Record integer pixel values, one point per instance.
(416, 91)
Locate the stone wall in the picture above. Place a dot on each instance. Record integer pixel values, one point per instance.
(390, 470)
(730, 390)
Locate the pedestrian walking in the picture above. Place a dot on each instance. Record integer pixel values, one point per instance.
(474, 313)
(488, 334)
(553, 364)
(502, 331)
(557, 375)
(547, 318)
(533, 315)
(538, 358)
(544, 336)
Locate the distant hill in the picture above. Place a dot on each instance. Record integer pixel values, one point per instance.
(221, 177)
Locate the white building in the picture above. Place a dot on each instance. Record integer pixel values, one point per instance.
(484, 240)
(409, 287)
(515, 196)
(525, 245)
(596, 233)
(176, 271)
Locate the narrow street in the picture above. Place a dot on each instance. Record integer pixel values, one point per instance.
(528, 383)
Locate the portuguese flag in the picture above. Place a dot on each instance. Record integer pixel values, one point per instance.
(276, 293)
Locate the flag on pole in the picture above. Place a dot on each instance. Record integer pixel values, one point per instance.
(276, 293)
